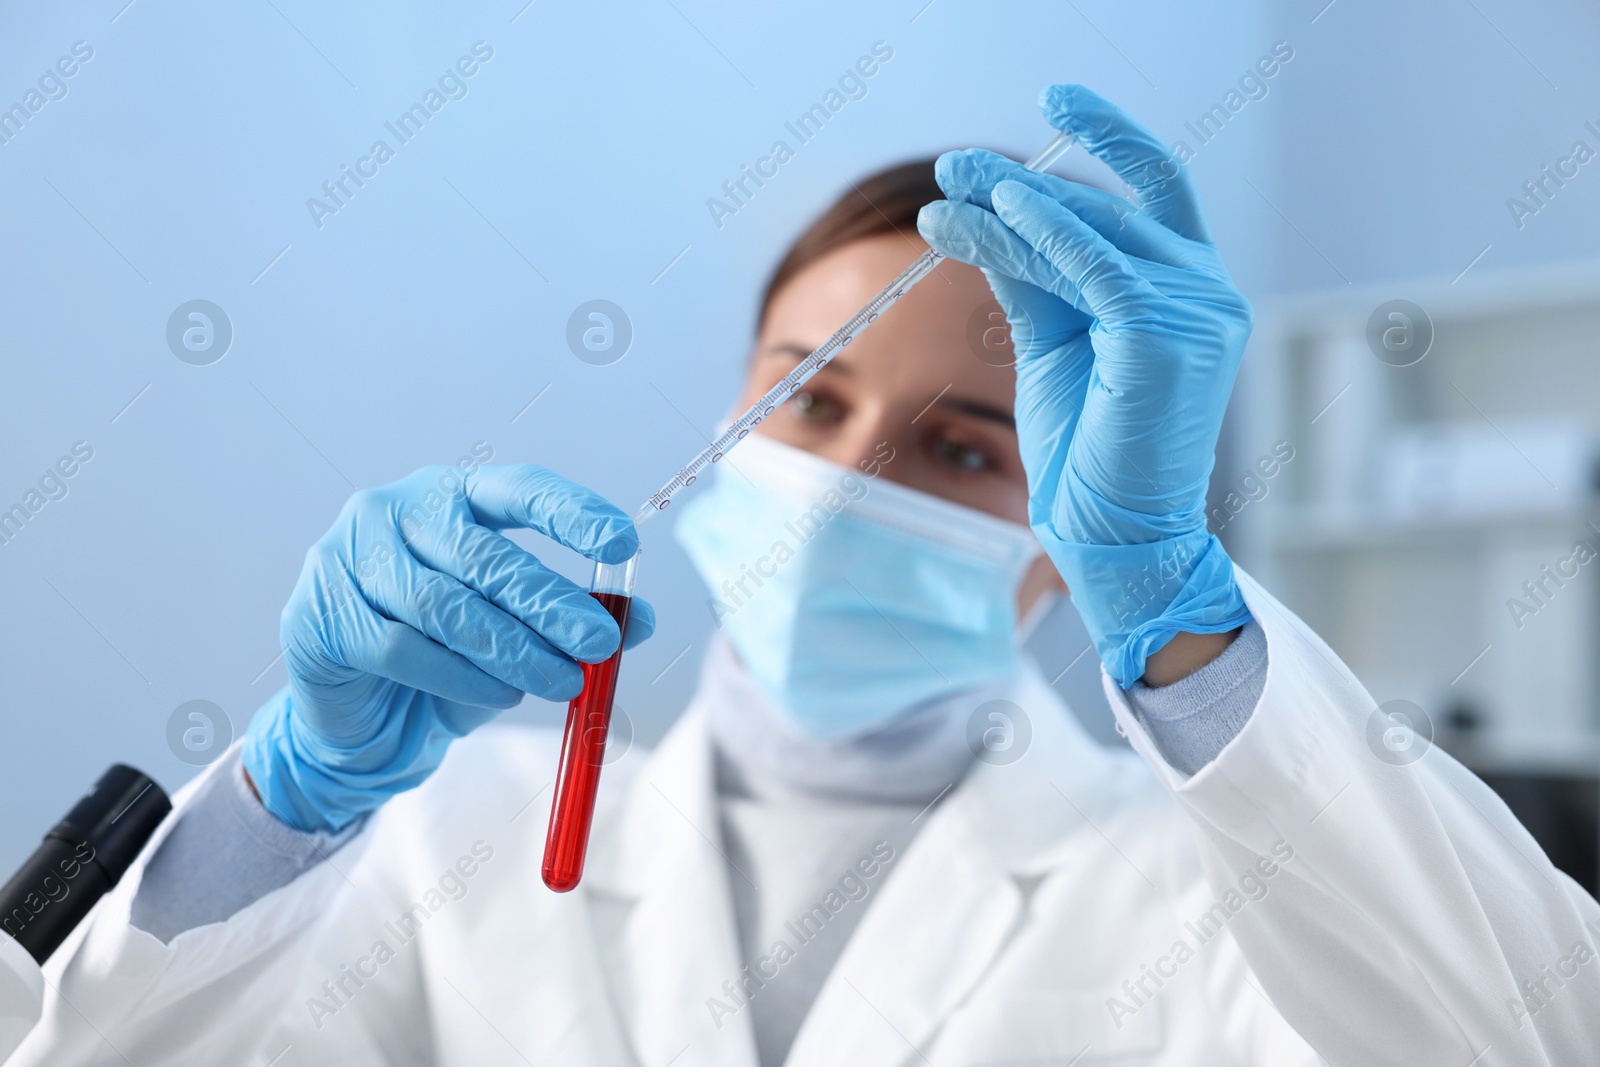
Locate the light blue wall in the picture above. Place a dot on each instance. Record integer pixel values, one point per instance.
(427, 313)
(1407, 127)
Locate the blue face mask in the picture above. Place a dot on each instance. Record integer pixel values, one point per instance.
(849, 598)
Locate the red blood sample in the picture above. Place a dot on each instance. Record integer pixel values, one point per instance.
(583, 750)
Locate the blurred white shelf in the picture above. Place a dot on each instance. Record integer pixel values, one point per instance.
(1422, 500)
(1507, 752)
(1481, 294)
(1299, 529)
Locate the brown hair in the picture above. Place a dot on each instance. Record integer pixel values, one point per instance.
(885, 202)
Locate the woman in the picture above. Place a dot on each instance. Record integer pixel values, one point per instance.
(875, 836)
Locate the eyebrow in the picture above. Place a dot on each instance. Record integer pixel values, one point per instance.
(790, 348)
(974, 408)
(979, 410)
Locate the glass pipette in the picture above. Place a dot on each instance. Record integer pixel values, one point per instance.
(753, 416)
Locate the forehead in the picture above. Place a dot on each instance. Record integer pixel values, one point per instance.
(933, 336)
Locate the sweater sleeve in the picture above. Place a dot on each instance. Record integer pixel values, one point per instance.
(1193, 719)
(225, 853)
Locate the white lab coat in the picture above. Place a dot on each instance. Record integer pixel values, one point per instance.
(1396, 933)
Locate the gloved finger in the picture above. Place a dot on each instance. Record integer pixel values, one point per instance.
(641, 623)
(531, 497)
(970, 176)
(1158, 178)
(464, 622)
(971, 234)
(1112, 290)
(1037, 319)
(977, 236)
(408, 658)
(459, 720)
(513, 579)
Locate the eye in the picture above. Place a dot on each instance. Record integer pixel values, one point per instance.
(814, 407)
(958, 455)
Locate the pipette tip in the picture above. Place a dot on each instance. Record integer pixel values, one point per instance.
(1051, 152)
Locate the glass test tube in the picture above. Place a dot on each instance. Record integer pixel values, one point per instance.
(583, 747)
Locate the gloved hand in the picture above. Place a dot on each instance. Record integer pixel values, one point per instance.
(1128, 333)
(414, 622)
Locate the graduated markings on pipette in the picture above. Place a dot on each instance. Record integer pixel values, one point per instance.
(758, 412)
(791, 382)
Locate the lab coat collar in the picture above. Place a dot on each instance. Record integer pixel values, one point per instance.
(949, 906)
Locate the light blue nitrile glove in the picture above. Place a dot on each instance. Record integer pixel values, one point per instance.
(415, 621)
(1128, 333)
